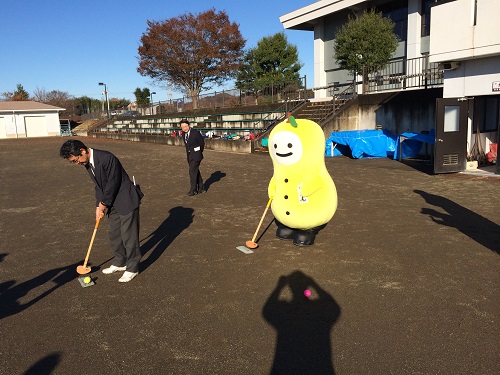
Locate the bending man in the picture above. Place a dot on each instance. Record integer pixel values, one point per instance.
(118, 197)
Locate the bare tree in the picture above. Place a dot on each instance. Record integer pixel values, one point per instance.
(40, 95)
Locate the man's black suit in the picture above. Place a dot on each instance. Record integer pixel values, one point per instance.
(122, 198)
(194, 151)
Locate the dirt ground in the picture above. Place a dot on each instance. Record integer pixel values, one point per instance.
(404, 279)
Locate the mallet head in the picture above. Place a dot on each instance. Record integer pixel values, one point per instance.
(83, 270)
(251, 244)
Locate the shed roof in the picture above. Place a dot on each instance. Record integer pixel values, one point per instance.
(27, 106)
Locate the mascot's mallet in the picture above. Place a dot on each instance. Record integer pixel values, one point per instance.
(251, 244)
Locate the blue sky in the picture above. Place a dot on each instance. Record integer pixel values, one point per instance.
(71, 45)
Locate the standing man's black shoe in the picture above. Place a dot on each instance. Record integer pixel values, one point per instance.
(201, 191)
(191, 193)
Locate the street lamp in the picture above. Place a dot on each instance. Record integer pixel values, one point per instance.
(106, 93)
(151, 100)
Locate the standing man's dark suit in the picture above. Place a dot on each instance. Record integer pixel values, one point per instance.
(194, 151)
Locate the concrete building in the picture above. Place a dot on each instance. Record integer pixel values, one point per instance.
(21, 119)
(444, 75)
(467, 45)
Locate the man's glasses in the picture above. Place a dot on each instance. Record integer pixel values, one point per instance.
(74, 159)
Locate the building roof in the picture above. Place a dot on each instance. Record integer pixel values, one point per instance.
(306, 17)
(27, 106)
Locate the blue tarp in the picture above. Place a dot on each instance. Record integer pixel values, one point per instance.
(411, 143)
(375, 144)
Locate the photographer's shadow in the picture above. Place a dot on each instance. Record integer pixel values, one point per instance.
(303, 326)
(157, 241)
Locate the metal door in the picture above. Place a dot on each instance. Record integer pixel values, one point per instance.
(450, 151)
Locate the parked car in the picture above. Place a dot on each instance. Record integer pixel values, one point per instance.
(130, 114)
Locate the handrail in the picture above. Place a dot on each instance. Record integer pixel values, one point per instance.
(333, 105)
(266, 130)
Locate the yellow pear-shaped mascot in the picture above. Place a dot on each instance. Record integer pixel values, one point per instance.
(304, 197)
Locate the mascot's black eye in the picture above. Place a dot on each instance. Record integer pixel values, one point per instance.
(290, 145)
(275, 145)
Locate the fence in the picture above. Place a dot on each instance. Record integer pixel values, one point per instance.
(403, 74)
(400, 74)
(270, 94)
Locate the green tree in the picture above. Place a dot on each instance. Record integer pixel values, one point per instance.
(85, 104)
(115, 103)
(142, 97)
(19, 95)
(368, 41)
(191, 53)
(272, 61)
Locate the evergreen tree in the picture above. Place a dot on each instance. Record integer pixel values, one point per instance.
(368, 41)
(142, 97)
(20, 94)
(272, 61)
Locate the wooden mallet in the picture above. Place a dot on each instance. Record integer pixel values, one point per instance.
(82, 270)
(252, 244)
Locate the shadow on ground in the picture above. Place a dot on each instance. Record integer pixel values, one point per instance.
(214, 177)
(12, 293)
(477, 227)
(179, 219)
(424, 166)
(302, 324)
(45, 366)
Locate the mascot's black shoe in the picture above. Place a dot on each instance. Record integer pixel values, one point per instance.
(284, 233)
(304, 237)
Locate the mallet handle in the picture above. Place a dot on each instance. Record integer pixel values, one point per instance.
(91, 242)
(261, 220)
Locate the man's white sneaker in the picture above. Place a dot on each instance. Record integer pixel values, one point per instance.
(113, 269)
(127, 276)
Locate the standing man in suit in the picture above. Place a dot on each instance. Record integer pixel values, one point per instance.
(118, 198)
(194, 150)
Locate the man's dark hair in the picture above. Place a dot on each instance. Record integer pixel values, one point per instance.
(72, 148)
(184, 121)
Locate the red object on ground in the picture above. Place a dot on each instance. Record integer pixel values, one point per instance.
(492, 155)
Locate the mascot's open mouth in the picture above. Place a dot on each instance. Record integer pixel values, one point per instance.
(284, 155)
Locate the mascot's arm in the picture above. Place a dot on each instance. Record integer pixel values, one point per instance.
(310, 185)
(271, 189)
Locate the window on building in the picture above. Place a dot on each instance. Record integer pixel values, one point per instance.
(426, 17)
(486, 113)
(397, 11)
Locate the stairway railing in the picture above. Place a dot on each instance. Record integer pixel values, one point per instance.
(285, 108)
(329, 108)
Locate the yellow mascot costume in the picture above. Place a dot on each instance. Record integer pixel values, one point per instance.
(304, 197)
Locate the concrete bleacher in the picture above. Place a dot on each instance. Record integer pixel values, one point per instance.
(242, 121)
(223, 122)
(220, 123)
